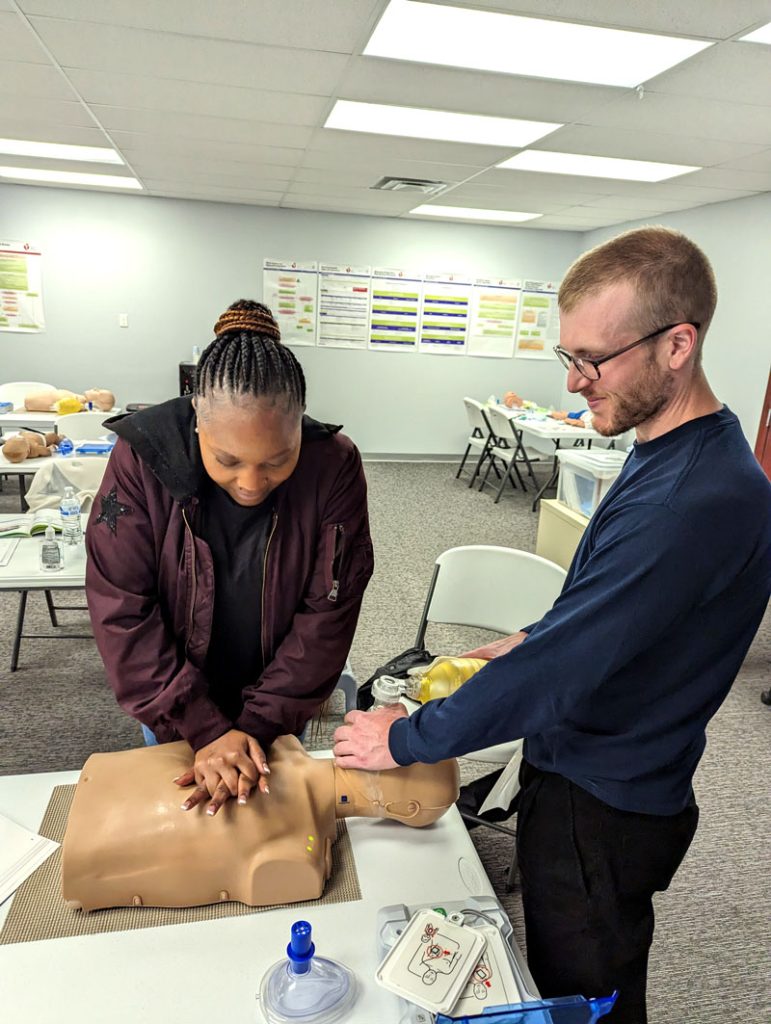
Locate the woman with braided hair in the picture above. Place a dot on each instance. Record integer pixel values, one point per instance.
(228, 553)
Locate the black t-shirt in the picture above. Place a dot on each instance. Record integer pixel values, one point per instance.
(237, 536)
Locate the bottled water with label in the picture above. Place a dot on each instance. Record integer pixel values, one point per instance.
(69, 509)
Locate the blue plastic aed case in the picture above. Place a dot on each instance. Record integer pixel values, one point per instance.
(565, 1010)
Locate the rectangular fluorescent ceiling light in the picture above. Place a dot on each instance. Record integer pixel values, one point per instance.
(490, 41)
(593, 166)
(469, 213)
(68, 177)
(760, 35)
(417, 123)
(58, 151)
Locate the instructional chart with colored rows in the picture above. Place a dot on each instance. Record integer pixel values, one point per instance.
(398, 309)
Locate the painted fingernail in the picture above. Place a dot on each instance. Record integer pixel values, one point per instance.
(177, 778)
(242, 800)
(210, 810)
(266, 790)
(185, 807)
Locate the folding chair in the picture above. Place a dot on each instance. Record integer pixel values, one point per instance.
(506, 446)
(480, 437)
(496, 588)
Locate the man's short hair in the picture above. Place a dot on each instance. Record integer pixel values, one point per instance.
(672, 277)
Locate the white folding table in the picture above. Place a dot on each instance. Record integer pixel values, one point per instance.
(23, 573)
(211, 971)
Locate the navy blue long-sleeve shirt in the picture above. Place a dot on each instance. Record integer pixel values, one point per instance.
(614, 686)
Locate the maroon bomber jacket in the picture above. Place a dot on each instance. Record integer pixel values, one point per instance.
(150, 579)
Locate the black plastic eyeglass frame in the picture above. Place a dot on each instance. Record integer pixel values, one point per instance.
(581, 362)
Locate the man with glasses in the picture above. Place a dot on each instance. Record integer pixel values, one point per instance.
(613, 688)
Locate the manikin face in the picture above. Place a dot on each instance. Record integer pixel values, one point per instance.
(633, 388)
(248, 447)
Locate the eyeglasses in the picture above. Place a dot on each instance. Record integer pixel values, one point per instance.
(590, 368)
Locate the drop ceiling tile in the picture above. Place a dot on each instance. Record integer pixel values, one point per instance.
(170, 96)
(639, 145)
(386, 203)
(757, 162)
(719, 177)
(12, 128)
(320, 166)
(338, 25)
(350, 147)
(17, 43)
(686, 17)
(33, 81)
(738, 72)
(530, 204)
(659, 112)
(228, 172)
(133, 144)
(371, 79)
(211, 197)
(536, 191)
(188, 58)
(204, 182)
(37, 110)
(253, 194)
(191, 126)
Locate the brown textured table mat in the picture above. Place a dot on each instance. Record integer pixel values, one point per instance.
(39, 912)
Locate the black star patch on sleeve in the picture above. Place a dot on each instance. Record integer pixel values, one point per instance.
(112, 510)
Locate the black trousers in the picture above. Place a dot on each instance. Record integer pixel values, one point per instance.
(589, 872)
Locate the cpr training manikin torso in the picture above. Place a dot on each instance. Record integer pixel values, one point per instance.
(128, 843)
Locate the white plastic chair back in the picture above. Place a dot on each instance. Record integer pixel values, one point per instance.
(82, 426)
(500, 424)
(17, 390)
(494, 588)
(475, 412)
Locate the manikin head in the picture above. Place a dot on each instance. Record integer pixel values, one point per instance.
(653, 290)
(249, 402)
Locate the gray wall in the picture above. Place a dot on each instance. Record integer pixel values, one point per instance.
(736, 236)
(174, 265)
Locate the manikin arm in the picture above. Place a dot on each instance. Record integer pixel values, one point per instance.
(129, 843)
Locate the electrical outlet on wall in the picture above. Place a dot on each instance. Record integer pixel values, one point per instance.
(122, 319)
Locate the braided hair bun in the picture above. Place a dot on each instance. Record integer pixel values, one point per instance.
(247, 359)
(250, 317)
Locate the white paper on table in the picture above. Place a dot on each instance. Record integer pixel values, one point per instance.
(21, 851)
(7, 547)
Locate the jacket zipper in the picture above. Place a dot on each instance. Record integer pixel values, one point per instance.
(262, 596)
(337, 558)
(195, 583)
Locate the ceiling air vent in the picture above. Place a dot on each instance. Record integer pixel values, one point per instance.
(425, 187)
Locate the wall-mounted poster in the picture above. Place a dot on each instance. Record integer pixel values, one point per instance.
(343, 306)
(445, 314)
(21, 288)
(395, 313)
(494, 311)
(538, 330)
(289, 289)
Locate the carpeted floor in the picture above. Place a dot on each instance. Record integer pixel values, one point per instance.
(711, 959)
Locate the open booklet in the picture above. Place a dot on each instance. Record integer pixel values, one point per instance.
(21, 851)
(32, 523)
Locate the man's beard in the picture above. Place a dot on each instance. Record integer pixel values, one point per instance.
(648, 397)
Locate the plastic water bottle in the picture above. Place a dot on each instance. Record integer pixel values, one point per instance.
(69, 509)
